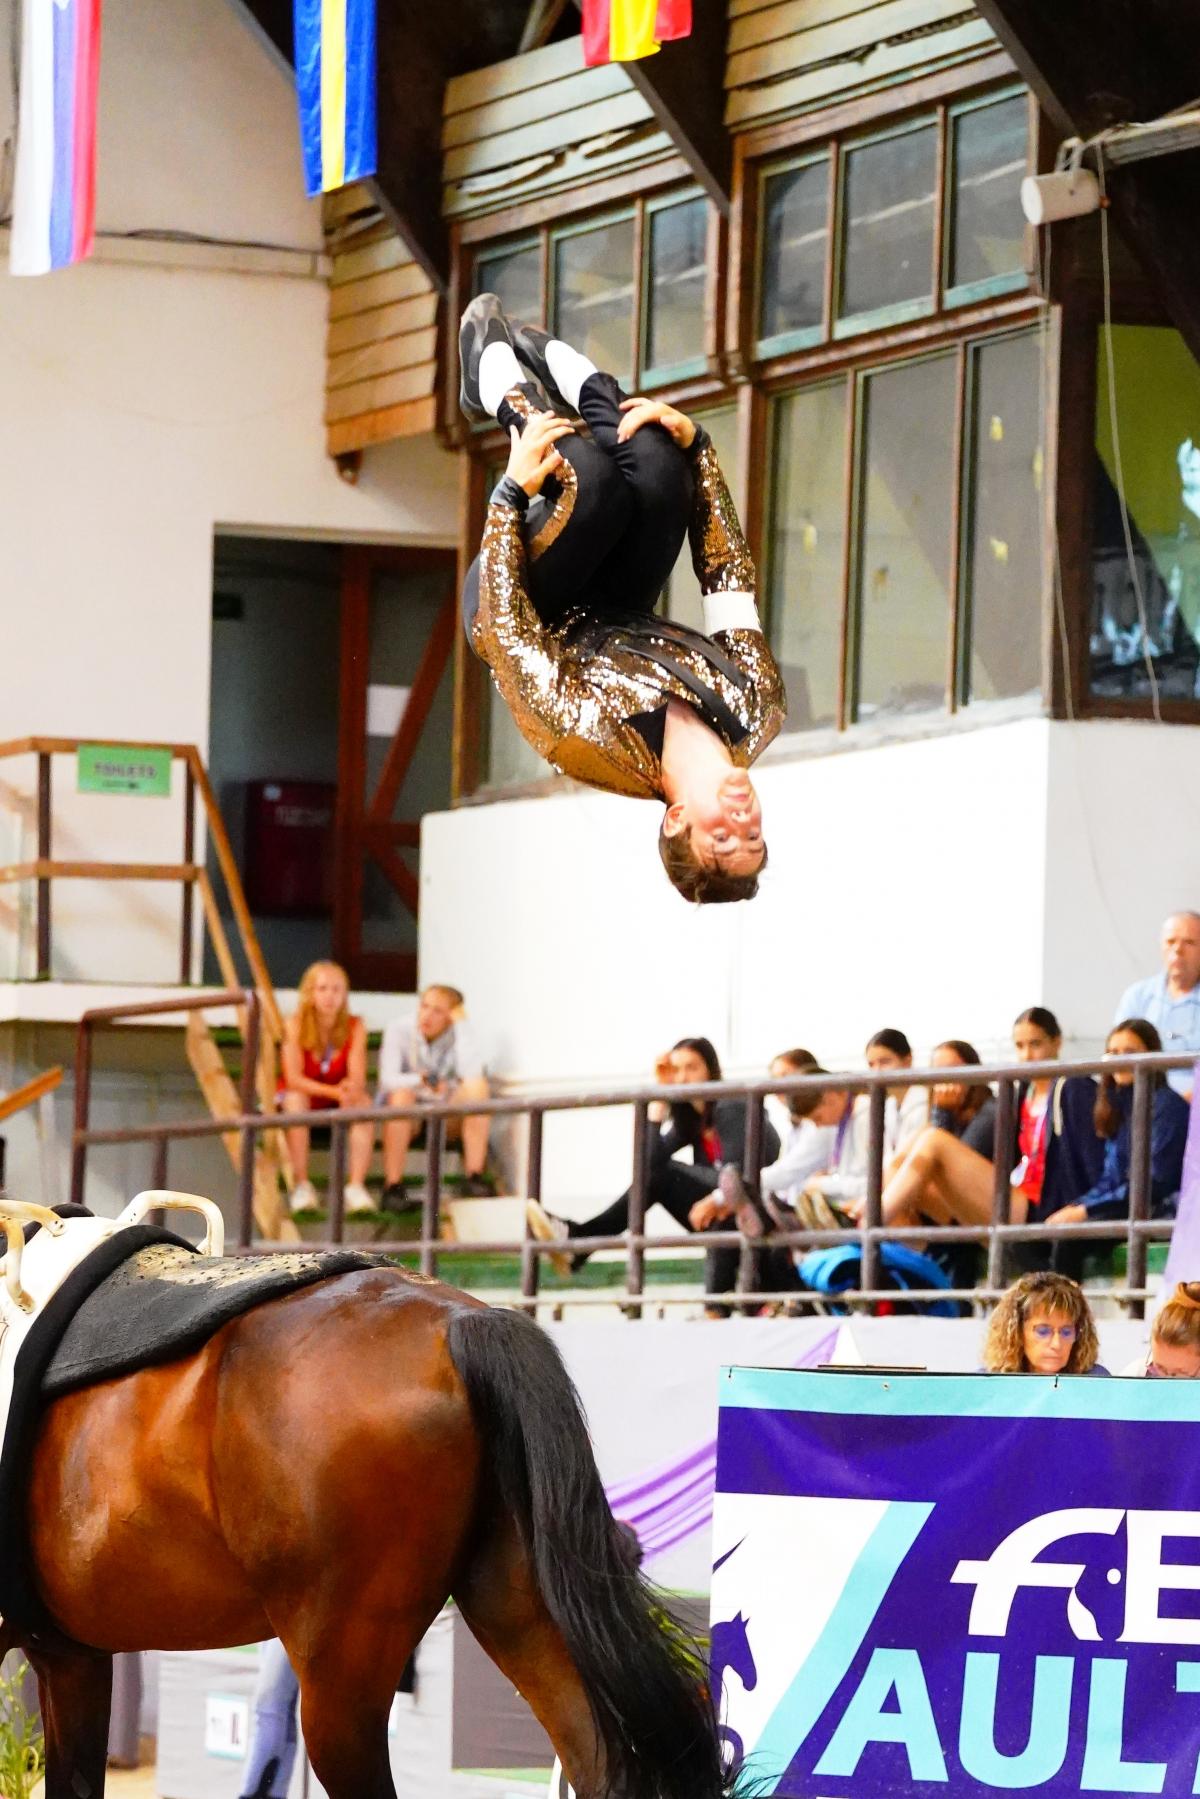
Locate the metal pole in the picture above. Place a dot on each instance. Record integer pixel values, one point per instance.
(337, 1179)
(248, 1101)
(873, 1214)
(158, 1171)
(83, 1096)
(189, 852)
(531, 1262)
(431, 1203)
(748, 1256)
(44, 852)
(1006, 1116)
(635, 1278)
(1139, 1184)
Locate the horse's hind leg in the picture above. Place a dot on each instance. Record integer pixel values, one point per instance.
(76, 1696)
(499, 1599)
(346, 1693)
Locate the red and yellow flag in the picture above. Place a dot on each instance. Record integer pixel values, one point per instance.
(623, 30)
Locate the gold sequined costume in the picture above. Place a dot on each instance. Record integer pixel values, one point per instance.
(574, 687)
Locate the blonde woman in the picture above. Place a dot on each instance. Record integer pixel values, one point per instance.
(1175, 1336)
(324, 1066)
(1043, 1325)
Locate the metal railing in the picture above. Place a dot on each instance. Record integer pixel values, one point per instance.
(1137, 1230)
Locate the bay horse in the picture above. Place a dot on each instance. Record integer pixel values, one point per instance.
(329, 1468)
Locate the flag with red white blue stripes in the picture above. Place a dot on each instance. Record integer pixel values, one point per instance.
(54, 196)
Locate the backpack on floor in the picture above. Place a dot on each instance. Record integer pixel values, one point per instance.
(838, 1270)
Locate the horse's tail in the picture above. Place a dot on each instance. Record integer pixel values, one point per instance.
(643, 1674)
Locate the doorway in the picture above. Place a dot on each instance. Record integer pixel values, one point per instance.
(331, 710)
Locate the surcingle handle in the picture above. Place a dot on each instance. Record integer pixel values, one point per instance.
(162, 1199)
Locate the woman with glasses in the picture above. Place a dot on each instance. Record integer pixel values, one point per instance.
(1043, 1325)
(1175, 1337)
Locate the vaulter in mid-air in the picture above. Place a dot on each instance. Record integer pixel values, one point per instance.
(582, 534)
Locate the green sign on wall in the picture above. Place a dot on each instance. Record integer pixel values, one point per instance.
(118, 768)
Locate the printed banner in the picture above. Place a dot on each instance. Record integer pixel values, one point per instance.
(957, 1585)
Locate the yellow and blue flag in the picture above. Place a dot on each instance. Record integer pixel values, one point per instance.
(335, 82)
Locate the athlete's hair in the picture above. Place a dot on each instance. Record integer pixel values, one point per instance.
(695, 880)
(1178, 1321)
(1003, 1346)
(306, 1030)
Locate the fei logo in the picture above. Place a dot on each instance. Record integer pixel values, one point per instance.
(902, 1685)
(1014, 1564)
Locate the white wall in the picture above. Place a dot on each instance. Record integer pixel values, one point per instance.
(1124, 823)
(141, 408)
(939, 885)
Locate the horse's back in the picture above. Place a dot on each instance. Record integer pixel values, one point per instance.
(304, 1438)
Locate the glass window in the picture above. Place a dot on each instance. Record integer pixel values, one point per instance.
(807, 539)
(889, 206)
(794, 232)
(683, 601)
(515, 277)
(677, 275)
(905, 542)
(990, 148)
(1146, 592)
(593, 294)
(1003, 563)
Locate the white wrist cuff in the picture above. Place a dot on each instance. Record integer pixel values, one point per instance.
(730, 612)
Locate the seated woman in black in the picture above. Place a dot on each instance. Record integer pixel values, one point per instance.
(715, 1134)
(1108, 1197)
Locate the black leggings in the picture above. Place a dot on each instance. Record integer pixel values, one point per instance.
(627, 524)
(676, 1187)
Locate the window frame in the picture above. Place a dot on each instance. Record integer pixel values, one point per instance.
(650, 375)
(855, 373)
(967, 293)
(772, 149)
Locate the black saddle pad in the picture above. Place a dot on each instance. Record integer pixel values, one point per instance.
(144, 1296)
(165, 1301)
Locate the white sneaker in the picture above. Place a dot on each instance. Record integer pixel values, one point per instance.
(548, 1229)
(357, 1198)
(303, 1197)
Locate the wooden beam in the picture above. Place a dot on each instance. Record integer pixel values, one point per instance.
(1098, 63)
(30, 1093)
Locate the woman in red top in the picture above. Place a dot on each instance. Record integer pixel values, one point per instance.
(324, 1059)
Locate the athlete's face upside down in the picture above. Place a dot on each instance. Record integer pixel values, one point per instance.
(724, 818)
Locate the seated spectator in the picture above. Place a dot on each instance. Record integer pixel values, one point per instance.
(908, 1107)
(1170, 1000)
(324, 1066)
(967, 1112)
(1108, 1197)
(1175, 1336)
(806, 1151)
(844, 1187)
(1043, 1325)
(712, 1131)
(1057, 1155)
(430, 1059)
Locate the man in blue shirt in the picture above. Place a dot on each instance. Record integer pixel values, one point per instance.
(1171, 1000)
